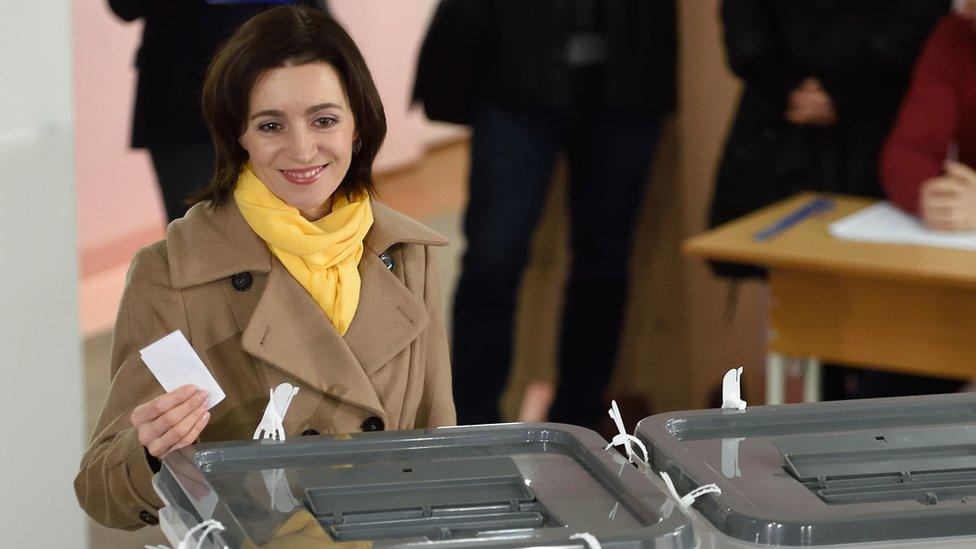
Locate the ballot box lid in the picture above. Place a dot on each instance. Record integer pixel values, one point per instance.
(506, 485)
(857, 471)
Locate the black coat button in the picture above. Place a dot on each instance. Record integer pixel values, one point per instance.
(148, 518)
(242, 281)
(373, 423)
(388, 261)
(310, 433)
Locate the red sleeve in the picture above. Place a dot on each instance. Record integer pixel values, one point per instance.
(928, 122)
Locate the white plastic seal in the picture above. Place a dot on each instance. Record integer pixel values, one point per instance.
(732, 390)
(589, 539)
(686, 500)
(622, 438)
(208, 526)
(272, 422)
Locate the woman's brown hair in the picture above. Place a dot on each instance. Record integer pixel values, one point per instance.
(286, 35)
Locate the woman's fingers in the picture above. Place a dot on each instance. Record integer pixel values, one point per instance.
(162, 444)
(158, 406)
(157, 428)
(193, 432)
(960, 171)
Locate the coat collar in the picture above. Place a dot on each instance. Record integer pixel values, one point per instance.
(286, 328)
(209, 244)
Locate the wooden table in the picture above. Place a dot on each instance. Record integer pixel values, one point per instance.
(909, 309)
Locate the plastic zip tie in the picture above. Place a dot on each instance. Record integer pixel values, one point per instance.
(732, 390)
(686, 500)
(588, 538)
(208, 526)
(623, 438)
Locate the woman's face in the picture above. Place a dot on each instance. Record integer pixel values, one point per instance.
(299, 135)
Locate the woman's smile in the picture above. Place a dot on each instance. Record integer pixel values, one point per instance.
(304, 176)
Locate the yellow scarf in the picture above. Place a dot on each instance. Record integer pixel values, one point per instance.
(322, 255)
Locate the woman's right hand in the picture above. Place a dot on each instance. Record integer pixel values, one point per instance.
(948, 202)
(171, 421)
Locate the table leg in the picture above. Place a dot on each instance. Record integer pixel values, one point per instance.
(775, 378)
(812, 380)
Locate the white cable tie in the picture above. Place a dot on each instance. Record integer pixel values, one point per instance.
(207, 526)
(589, 539)
(622, 438)
(732, 390)
(691, 496)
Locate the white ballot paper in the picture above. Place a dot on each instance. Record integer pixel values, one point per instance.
(885, 223)
(174, 363)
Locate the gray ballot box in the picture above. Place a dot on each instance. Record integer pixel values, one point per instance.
(897, 472)
(506, 485)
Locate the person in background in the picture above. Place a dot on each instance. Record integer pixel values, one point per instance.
(286, 271)
(823, 82)
(927, 163)
(178, 39)
(593, 79)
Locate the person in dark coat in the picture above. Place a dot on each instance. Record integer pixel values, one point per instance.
(593, 79)
(823, 83)
(178, 39)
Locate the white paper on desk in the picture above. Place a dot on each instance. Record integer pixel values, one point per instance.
(174, 363)
(885, 223)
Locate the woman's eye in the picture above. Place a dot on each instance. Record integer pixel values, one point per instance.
(269, 127)
(325, 122)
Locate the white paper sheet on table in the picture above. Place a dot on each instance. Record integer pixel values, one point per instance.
(885, 223)
(174, 363)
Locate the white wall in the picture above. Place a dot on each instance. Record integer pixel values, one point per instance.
(41, 416)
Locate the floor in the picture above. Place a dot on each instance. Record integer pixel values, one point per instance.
(432, 191)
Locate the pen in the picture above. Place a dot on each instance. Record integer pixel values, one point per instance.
(809, 209)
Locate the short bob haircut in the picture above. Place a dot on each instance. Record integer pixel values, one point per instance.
(282, 36)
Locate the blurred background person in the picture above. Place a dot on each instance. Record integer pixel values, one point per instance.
(591, 78)
(823, 82)
(178, 39)
(927, 162)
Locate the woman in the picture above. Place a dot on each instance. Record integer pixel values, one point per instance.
(927, 164)
(286, 271)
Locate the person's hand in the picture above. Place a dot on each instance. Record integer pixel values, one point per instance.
(948, 202)
(809, 104)
(171, 421)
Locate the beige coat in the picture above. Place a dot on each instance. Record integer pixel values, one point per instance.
(392, 363)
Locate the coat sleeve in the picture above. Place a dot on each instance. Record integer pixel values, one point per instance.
(928, 122)
(437, 403)
(754, 49)
(113, 483)
(129, 10)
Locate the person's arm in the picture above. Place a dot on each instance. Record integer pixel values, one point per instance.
(129, 10)
(928, 122)
(437, 403)
(113, 484)
(754, 49)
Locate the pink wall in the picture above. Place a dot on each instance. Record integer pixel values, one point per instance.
(118, 205)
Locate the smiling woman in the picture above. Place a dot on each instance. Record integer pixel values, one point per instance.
(285, 271)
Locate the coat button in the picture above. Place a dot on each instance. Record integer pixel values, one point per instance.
(242, 281)
(148, 518)
(388, 261)
(310, 433)
(372, 423)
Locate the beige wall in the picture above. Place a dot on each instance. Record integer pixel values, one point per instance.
(678, 340)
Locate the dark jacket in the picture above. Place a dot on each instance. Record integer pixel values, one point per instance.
(861, 50)
(178, 39)
(512, 53)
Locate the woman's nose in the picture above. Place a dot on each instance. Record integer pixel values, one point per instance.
(302, 147)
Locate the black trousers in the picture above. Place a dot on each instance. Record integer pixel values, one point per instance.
(513, 153)
(181, 170)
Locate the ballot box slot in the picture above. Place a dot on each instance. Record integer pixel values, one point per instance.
(926, 465)
(442, 499)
